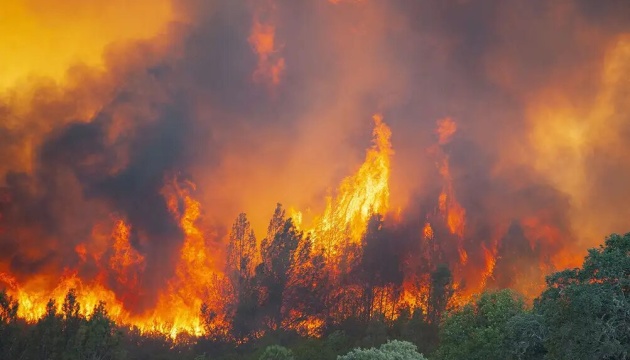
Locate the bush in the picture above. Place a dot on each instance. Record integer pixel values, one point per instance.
(392, 350)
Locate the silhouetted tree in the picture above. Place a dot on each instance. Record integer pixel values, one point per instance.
(47, 339)
(9, 331)
(241, 251)
(275, 277)
(276, 224)
(379, 272)
(440, 292)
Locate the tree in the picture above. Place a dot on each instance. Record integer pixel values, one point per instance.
(378, 269)
(276, 224)
(524, 337)
(273, 274)
(98, 338)
(586, 311)
(9, 331)
(241, 251)
(392, 350)
(47, 341)
(440, 293)
(276, 352)
(240, 269)
(415, 329)
(477, 330)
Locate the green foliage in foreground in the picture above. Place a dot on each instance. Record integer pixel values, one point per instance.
(583, 314)
(392, 350)
(586, 311)
(276, 352)
(478, 330)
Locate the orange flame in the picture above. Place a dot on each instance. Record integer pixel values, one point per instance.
(197, 278)
(449, 207)
(33, 300)
(124, 255)
(359, 196)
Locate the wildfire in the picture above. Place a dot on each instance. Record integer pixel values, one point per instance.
(359, 196)
(124, 255)
(32, 300)
(197, 279)
(196, 299)
(98, 110)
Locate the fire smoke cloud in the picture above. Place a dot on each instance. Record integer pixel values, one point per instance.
(258, 102)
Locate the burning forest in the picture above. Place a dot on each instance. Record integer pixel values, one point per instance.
(226, 169)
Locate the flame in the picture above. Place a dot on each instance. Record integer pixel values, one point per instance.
(359, 196)
(32, 301)
(197, 277)
(85, 78)
(124, 256)
(449, 207)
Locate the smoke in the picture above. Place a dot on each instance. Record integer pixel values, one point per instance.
(265, 102)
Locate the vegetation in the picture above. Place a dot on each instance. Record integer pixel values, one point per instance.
(582, 314)
(392, 350)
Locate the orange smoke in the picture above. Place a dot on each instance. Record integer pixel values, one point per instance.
(66, 75)
(263, 41)
(46, 38)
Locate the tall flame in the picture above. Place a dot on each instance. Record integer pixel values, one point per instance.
(197, 279)
(359, 196)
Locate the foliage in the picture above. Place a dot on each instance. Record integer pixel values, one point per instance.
(478, 330)
(524, 337)
(587, 311)
(392, 350)
(277, 352)
(9, 331)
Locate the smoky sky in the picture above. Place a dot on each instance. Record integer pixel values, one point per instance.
(194, 111)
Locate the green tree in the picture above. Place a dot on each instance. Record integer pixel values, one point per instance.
(392, 350)
(276, 352)
(524, 337)
(477, 330)
(587, 311)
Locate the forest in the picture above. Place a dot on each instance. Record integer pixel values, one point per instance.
(314, 179)
(583, 313)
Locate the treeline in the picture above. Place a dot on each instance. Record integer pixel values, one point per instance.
(291, 282)
(582, 314)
